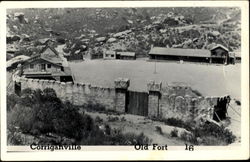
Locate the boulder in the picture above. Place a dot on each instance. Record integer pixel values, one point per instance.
(77, 51)
(15, 27)
(85, 41)
(122, 34)
(101, 39)
(130, 21)
(25, 37)
(20, 17)
(215, 33)
(163, 30)
(83, 47)
(12, 38)
(81, 36)
(110, 40)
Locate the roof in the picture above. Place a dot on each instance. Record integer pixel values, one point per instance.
(46, 47)
(110, 52)
(180, 52)
(51, 54)
(126, 53)
(30, 60)
(237, 54)
(219, 46)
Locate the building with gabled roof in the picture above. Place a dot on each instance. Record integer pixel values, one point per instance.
(48, 64)
(217, 54)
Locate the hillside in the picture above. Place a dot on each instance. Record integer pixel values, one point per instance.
(129, 29)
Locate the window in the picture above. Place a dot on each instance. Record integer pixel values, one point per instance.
(112, 55)
(48, 66)
(43, 67)
(62, 69)
(31, 66)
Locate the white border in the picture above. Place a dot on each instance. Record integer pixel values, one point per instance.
(174, 153)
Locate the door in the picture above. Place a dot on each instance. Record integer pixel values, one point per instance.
(137, 103)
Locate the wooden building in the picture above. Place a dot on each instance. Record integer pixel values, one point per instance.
(126, 55)
(218, 54)
(48, 64)
(109, 55)
(119, 55)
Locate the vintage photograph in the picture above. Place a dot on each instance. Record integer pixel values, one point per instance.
(123, 76)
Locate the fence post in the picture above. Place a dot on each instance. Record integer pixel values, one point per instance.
(153, 98)
(121, 87)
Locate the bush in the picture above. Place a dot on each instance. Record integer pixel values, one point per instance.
(41, 112)
(123, 119)
(159, 130)
(177, 123)
(207, 131)
(211, 130)
(174, 133)
(90, 106)
(238, 102)
(98, 119)
(12, 100)
(112, 119)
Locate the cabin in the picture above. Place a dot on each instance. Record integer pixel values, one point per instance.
(237, 55)
(126, 55)
(49, 65)
(109, 55)
(217, 54)
(119, 55)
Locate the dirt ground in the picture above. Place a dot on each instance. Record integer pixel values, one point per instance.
(137, 124)
(209, 80)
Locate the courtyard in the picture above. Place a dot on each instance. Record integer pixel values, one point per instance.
(209, 80)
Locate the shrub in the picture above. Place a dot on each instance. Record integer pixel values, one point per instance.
(238, 102)
(12, 100)
(177, 123)
(174, 133)
(207, 131)
(159, 130)
(214, 131)
(41, 112)
(112, 119)
(129, 139)
(98, 119)
(90, 106)
(188, 136)
(123, 119)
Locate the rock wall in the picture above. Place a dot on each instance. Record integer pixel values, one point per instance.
(163, 102)
(180, 102)
(76, 93)
(186, 107)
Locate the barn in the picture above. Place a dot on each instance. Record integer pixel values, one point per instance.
(217, 54)
(48, 64)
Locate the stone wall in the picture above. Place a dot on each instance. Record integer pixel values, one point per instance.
(163, 102)
(180, 102)
(77, 93)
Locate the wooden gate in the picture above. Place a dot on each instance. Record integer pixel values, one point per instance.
(137, 103)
